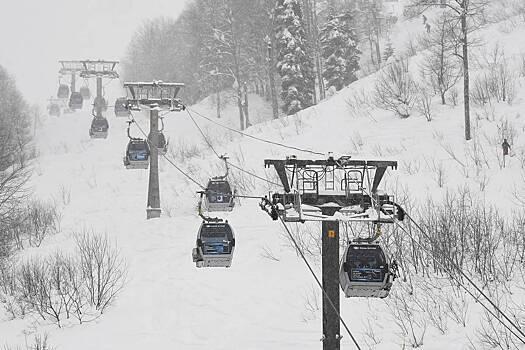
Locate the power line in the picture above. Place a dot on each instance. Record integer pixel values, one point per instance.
(319, 283)
(257, 138)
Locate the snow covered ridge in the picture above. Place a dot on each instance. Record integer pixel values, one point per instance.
(166, 301)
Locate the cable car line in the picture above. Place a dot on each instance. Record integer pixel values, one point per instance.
(254, 175)
(255, 137)
(202, 133)
(227, 162)
(195, 181)
(458, 268)
(169, 160)
(319, 282)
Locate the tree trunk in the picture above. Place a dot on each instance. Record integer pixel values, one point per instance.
(246, 115)
(370, 41)
(318, 61)
(466, 93)
(311, 46)
(377, 32)
(218, 96)
(271, 78)
(239, 105)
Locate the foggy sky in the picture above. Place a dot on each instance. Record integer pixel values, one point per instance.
(35, 34)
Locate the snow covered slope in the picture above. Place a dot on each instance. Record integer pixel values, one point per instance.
(260, 302)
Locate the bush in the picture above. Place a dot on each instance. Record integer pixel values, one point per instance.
(395, 90)
(61, 287)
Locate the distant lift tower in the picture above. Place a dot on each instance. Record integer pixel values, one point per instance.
(72, 68)
(99, 69)
(331, 190)
(156, 96)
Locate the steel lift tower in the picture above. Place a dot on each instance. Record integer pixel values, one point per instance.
(98, 69)
(331, 190)
(156, 96)
(72, 68)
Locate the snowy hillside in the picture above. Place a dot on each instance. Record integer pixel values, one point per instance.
(267, 299)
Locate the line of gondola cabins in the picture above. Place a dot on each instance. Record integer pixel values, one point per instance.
(365, 270)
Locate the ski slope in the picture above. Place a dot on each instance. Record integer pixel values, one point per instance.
(260, 302)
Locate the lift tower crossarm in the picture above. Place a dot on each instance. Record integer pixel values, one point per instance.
(70, 67)
(99, 68)
(159, 93)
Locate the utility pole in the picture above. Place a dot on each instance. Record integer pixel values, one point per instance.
(330, 273)
(153, 209)
(315, 183)
(156, 96)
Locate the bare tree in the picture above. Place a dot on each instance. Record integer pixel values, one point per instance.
(469, 15)
(439, 64)
(103, 270)
(395, 90)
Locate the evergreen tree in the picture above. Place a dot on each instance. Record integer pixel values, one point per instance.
(389, 51)
(339, 51)
(293, 64)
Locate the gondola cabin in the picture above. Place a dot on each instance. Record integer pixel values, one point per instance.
(85, 92)
(365, 272)
(162, 145)
(215, 245)
(100, 103)
(137, 154)
(54, 110)
(75, 101)
(99, 128)
(219, 196)
(121, 109)
(63, 91)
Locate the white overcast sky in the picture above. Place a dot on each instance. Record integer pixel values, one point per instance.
(35, 34)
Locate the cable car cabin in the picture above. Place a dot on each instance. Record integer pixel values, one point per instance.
(215, 245)
(63, 91)
(99, 128)
(121, 109)
(365, 272)
(75, 101)
(219, 196)
(137, 154)
(54, 110)
(85, 92)
(100, 103)
(162, 145)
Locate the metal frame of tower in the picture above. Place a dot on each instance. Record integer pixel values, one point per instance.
(157, 96)
(331, 190)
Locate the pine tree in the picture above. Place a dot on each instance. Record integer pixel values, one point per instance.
(293, 64)
(339, 50)
(389, 51)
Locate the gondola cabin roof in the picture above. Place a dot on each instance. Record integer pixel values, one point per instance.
(219, 185)
(215, 230)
